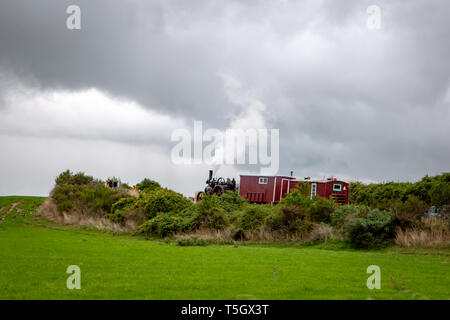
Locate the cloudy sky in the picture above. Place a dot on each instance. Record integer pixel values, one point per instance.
(348, 100)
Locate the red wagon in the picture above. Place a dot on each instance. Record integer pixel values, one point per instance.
(271, 189)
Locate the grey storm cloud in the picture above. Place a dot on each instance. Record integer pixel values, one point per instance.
(349, 101)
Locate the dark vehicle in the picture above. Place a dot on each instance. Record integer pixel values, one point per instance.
(216, 186)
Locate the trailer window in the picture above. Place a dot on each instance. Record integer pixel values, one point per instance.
(313, 190)
(337, 187)
(263, 180)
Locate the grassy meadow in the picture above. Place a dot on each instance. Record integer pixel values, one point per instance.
(34, 255)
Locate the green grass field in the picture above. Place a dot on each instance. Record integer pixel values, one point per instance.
(35, 253)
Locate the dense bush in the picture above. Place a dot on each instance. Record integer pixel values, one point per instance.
(163, 200)
(289, 220)
(126, 186)
(231, 201)
(433, 191)
(68, 178)
(122, 209)
(96, 196)
(148, 185)
(297, 198)
(340, 217)
(162, 225)
(371, 231)
(78, 190)
(321, 210)
(253, 216)
(377, 212)
(209, 213)
(409, 214)
(440, 191)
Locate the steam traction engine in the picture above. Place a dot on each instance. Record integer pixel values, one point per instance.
(216, 186)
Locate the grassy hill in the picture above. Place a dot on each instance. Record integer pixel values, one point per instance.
(35, 253)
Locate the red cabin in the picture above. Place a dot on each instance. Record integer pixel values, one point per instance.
(264, 189)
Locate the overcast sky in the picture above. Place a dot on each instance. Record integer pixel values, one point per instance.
(349, 101)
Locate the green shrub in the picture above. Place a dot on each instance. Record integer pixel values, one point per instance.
(98, 197)
(124, 204)
(68, 178)
(163, 200)
(118, 217)
(209, 213)
(254, 215)
(433, 191)
(121, 209)
(126, 186)
(409, 214)
(321, 210)
(440, 192)
(148, 185)
(372, 231)
(231, 201)
(162, 225)
(63, 195)
(79, 190)
(297, 198)
(289, 219)
(340, 216)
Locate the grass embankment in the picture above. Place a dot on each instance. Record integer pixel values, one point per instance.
(35, 253)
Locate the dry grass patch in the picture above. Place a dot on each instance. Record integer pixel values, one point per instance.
(436, 232)
(78, 218)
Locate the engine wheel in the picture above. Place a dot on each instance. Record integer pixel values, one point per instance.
(218, 191)
(200, 196)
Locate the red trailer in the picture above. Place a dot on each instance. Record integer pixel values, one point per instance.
(265, 189)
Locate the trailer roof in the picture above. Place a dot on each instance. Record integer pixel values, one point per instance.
(293, 179)
(318, 181)
(264, 176)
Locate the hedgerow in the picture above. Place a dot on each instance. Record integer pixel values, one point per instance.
(376, 213)
(433, 191)
(81, 191)
(373, 230)
(254, 216)
(163, 200)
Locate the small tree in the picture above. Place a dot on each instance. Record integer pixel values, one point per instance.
(148, 185)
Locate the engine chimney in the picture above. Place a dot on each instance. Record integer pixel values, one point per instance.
(210, 175)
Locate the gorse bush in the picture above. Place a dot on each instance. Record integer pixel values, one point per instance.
(122, 208)
(162, 225)
(317, 210)
(371, 231)
(440, 191)
(210, 214)
(321, 210)
(253, 216)
(342, 214)
(433, 191)
(378, 211)
(408, 214)
(81, 191)
(231, 201)
(289, 220)
(297, 198)
(148, 185)
(68, 178)
(163, 200)
(98, 197)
